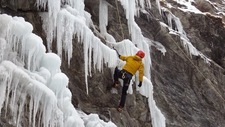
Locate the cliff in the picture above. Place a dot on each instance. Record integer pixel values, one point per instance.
(188, 85)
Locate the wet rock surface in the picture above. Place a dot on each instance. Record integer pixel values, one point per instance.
(188, 91)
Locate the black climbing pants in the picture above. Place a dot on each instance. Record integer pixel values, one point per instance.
(126, 77)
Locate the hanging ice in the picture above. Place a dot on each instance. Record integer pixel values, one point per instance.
(2, 48)
(21, 87)
(93, 46)
(103, 20)
(32, 51)
(158, 119)
(4, 24)
(37, 91)
(3, 81)
(53, 7)
(180, 31)
(65, 33)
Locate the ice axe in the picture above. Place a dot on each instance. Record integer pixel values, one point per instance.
(117, 52)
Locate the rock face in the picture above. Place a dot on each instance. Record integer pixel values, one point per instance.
(188, 91)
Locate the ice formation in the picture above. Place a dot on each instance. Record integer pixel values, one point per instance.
(21, 89)
(73, 21)
(103, 20)
(2, 48)
(31, 83)
(180, 31)
(75, 25)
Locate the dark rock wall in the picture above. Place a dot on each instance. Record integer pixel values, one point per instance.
(189, 92)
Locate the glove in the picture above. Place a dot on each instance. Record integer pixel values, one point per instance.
(140, 84)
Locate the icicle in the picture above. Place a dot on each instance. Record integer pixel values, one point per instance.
(42, 94)
(65, 33)
(41, 3)
(17, 85)
(32, 51)
(103, 20)
(49, 28)
(31, 107)
(86, 36)
(90, 57)
(5, 24)
(86, 48)
(169, 17)
(18, 30)
(49, 19)
(8, 86)
(60, 31)
(14, 88)
(103, 16)
(2, 48)
(53, 7)
(180, 31)
(158, 45)
(3, 79)
(21, 106)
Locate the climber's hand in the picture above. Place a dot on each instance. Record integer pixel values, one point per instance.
(140, 84)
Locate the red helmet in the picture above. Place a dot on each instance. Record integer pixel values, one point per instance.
(140, 53)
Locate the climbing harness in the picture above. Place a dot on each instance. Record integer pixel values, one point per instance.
(123, 75)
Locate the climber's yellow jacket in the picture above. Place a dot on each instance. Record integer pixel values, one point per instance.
(133, 63)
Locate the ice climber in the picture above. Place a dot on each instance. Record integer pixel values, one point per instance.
(133, 64)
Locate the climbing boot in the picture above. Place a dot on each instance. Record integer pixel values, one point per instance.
(116, 84)
(119, 109)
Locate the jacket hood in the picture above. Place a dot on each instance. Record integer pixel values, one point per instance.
(137, 58)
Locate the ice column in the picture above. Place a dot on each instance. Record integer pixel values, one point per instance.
(103, 20)
(49, 24)
(2, 48)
